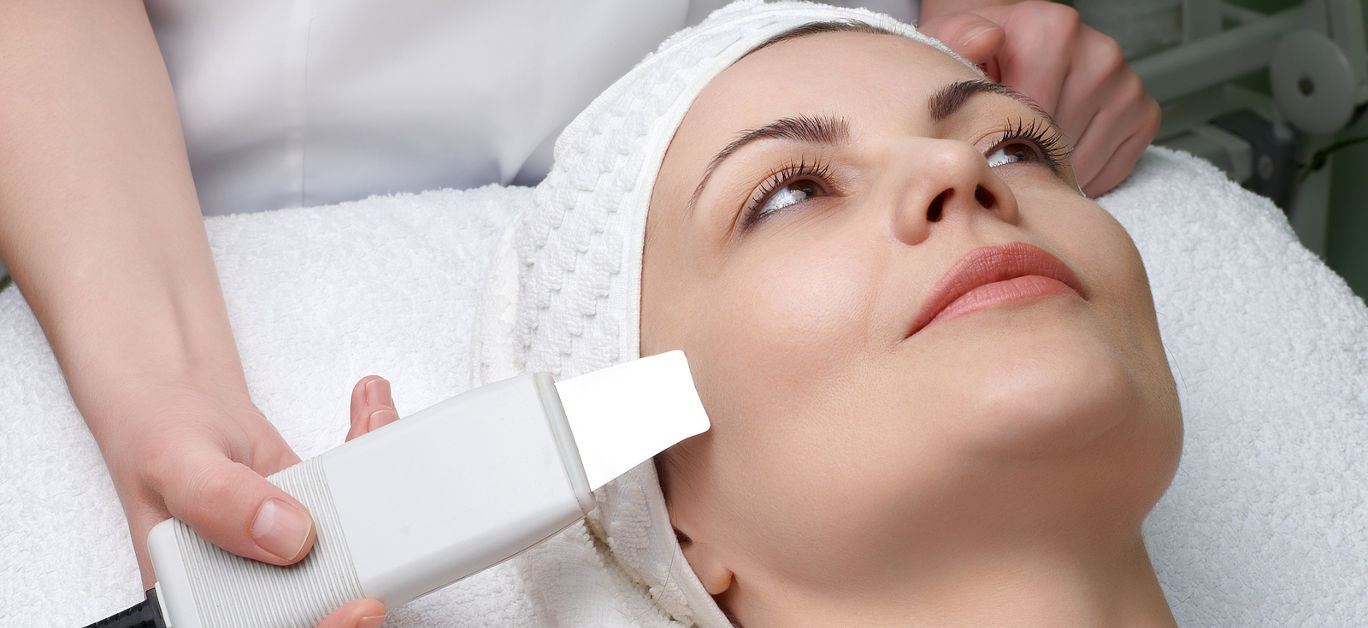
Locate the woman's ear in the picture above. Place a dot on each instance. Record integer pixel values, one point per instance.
(679, 471)
(707, 562)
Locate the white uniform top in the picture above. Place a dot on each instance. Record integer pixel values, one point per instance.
(289, 103)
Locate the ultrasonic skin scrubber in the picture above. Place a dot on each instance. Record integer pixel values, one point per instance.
(436, 496)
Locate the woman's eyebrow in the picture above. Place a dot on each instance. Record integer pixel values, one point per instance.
(944, 103)
(807, 129)
(951, 98)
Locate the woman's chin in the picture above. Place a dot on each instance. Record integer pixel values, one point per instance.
(1050, 386)
(1057, 412)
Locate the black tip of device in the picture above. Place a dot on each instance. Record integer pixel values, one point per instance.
(144, 614)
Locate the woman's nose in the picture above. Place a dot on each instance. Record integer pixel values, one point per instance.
(946, 181)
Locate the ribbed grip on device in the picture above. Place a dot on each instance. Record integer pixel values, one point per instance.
(237, 592)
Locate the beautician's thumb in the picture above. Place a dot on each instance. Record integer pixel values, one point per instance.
(973, 36)
(235, 508)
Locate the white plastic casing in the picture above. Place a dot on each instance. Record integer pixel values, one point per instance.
(399, 512)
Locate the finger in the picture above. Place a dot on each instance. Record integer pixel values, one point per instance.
(1116, 137)
(372, 406)
(360, 407)
(1096, 73)
(974, 37)
(382, 417)
(365, 613)
(358, 396)
(235, 508)
(1121, 165)
(1098, 108)
(1038, 50)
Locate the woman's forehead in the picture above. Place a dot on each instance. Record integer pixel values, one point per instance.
(831, 74)
(825, 63)
(815, 74)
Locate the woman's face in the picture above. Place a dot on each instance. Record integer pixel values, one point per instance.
(822, 201)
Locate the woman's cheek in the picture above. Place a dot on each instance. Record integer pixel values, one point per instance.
(803, 308)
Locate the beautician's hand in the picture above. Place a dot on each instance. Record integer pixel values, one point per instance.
(208, 468)
(200, 455)
(1073, 72)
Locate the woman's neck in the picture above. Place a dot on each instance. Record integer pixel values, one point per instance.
(1044, 585)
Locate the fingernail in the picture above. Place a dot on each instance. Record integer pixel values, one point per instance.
(978, 30)
(370, 622)
(280, 529)
(968, 39)
(381, 418)
(378, 392)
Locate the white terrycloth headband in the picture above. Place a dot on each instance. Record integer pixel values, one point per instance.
(564, 294)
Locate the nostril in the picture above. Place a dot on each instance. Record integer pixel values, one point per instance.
(934, 211)
(984, 197)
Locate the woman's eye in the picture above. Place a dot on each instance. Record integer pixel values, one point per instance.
(788, 187)
(1012, 152)
(789, 194)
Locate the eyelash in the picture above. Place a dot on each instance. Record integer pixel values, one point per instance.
(1045, 138)
(788, 175)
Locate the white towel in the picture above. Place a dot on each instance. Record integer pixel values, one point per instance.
(1264, 524)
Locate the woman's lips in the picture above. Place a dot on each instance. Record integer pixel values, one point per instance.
(994, 275)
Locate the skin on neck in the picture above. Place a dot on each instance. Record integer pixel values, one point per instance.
(1026, 542)
(1024, 586)
(991, 469)
(1024, 556)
